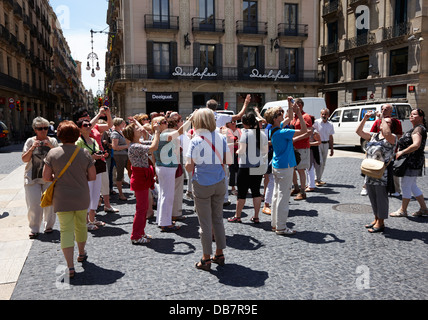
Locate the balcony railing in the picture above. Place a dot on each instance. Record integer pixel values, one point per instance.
(398, 30)
(292, 30)
(153, 21)
(331, 6)
(329, 49)
(138, 71)
(208, 25)
(360, 40)
(250, 27)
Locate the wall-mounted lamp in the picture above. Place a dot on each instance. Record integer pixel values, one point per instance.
(186, 41)
(274, 44)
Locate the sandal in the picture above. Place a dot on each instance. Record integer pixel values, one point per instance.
(369, 226)
(234, 219)
(91, 226)
(170, 229)
(141, 241)
(71, 273)
(49, 230)
(255, 220)
(33, 235)
(203, 264)
(82, 257)
(376, 230)
(219, 259)
(398, 213)
(420, 212)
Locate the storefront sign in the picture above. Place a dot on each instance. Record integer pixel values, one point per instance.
(271, 75)
(161, 96)
(205, 74)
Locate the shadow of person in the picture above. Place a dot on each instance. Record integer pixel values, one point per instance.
(243, 242)
(317, 237)
(170, 246)
(235, 275)
(95, 275)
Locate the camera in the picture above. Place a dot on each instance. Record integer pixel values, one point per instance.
(99, 153)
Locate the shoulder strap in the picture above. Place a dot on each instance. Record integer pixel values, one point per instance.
(69, 162)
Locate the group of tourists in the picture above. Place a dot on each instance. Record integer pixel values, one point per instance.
(286, 150)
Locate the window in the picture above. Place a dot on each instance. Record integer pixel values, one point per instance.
(290, 62)
(399, 61)
(335, 117)
(350, 115)
(161, 13)
(250, 16)
(161, 58)
(361, 68)
(365, 110)
(207, 57)
(333, 72)
(403, 111)
(200, 99)
(360, 94)
(291, 18)
(207, 15)
(250, 58)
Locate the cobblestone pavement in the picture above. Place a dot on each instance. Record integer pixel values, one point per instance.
(332, 257)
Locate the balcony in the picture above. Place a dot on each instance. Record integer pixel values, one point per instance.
(208, 25)
(331, 48)
(396, 34)
(292, 30)
(250, 27)
(138, 72)
(157, 22)
(360, 41)
(331, 9)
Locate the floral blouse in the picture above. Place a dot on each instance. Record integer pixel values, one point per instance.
(138, 154)
(382, 150)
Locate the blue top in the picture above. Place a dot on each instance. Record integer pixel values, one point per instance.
(208, 165)
(283, 150)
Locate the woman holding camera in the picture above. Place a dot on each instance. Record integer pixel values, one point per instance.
(33, 154)
(86, 142)
(380, 146)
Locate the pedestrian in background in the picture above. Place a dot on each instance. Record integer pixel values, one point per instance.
(120, 146)
(205, 158)
(380, 146)
(283, 162)
(88, 143)
(142, 177)
(412, 146)
(71, 207)
(33, 154)
(253, 147)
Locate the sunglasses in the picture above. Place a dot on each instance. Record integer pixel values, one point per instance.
(86, 125)
(42, 128)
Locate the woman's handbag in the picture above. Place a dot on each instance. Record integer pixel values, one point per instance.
(373, 168)
(47, 196)
(400, 166)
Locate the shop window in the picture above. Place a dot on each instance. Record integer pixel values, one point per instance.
(257, 100)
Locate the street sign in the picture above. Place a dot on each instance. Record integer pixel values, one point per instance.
(11, 100)
(11, 106)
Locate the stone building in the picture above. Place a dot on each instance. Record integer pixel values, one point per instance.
(38, 76)
(373, 50)
(175, 55)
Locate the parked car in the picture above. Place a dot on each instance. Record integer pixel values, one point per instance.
(347, 118)
(4, 133)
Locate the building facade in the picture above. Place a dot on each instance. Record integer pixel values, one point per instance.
(373, 50)
(175, 55)
(38, 76)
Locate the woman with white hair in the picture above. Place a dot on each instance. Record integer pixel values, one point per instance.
(35, 150)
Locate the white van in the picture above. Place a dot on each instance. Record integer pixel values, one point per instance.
(347, 118)
(312, 106)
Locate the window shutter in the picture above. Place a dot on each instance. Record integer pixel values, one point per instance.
(219, 60)
(261, 54)
(150, 62)
(240, 61)
(196, 55)
(173, 56)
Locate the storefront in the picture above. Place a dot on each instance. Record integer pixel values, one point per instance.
(161, 101)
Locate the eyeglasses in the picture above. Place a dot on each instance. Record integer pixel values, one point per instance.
(86, 125)
(42, 128)
(163, 122)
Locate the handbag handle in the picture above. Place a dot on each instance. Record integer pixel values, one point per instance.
(69, 162)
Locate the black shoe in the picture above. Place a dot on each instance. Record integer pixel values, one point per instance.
(376, 230)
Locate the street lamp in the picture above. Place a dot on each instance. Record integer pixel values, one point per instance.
(93, 56)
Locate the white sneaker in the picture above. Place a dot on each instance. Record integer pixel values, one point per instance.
(396, 194)
(363, 192)
(286, 231)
